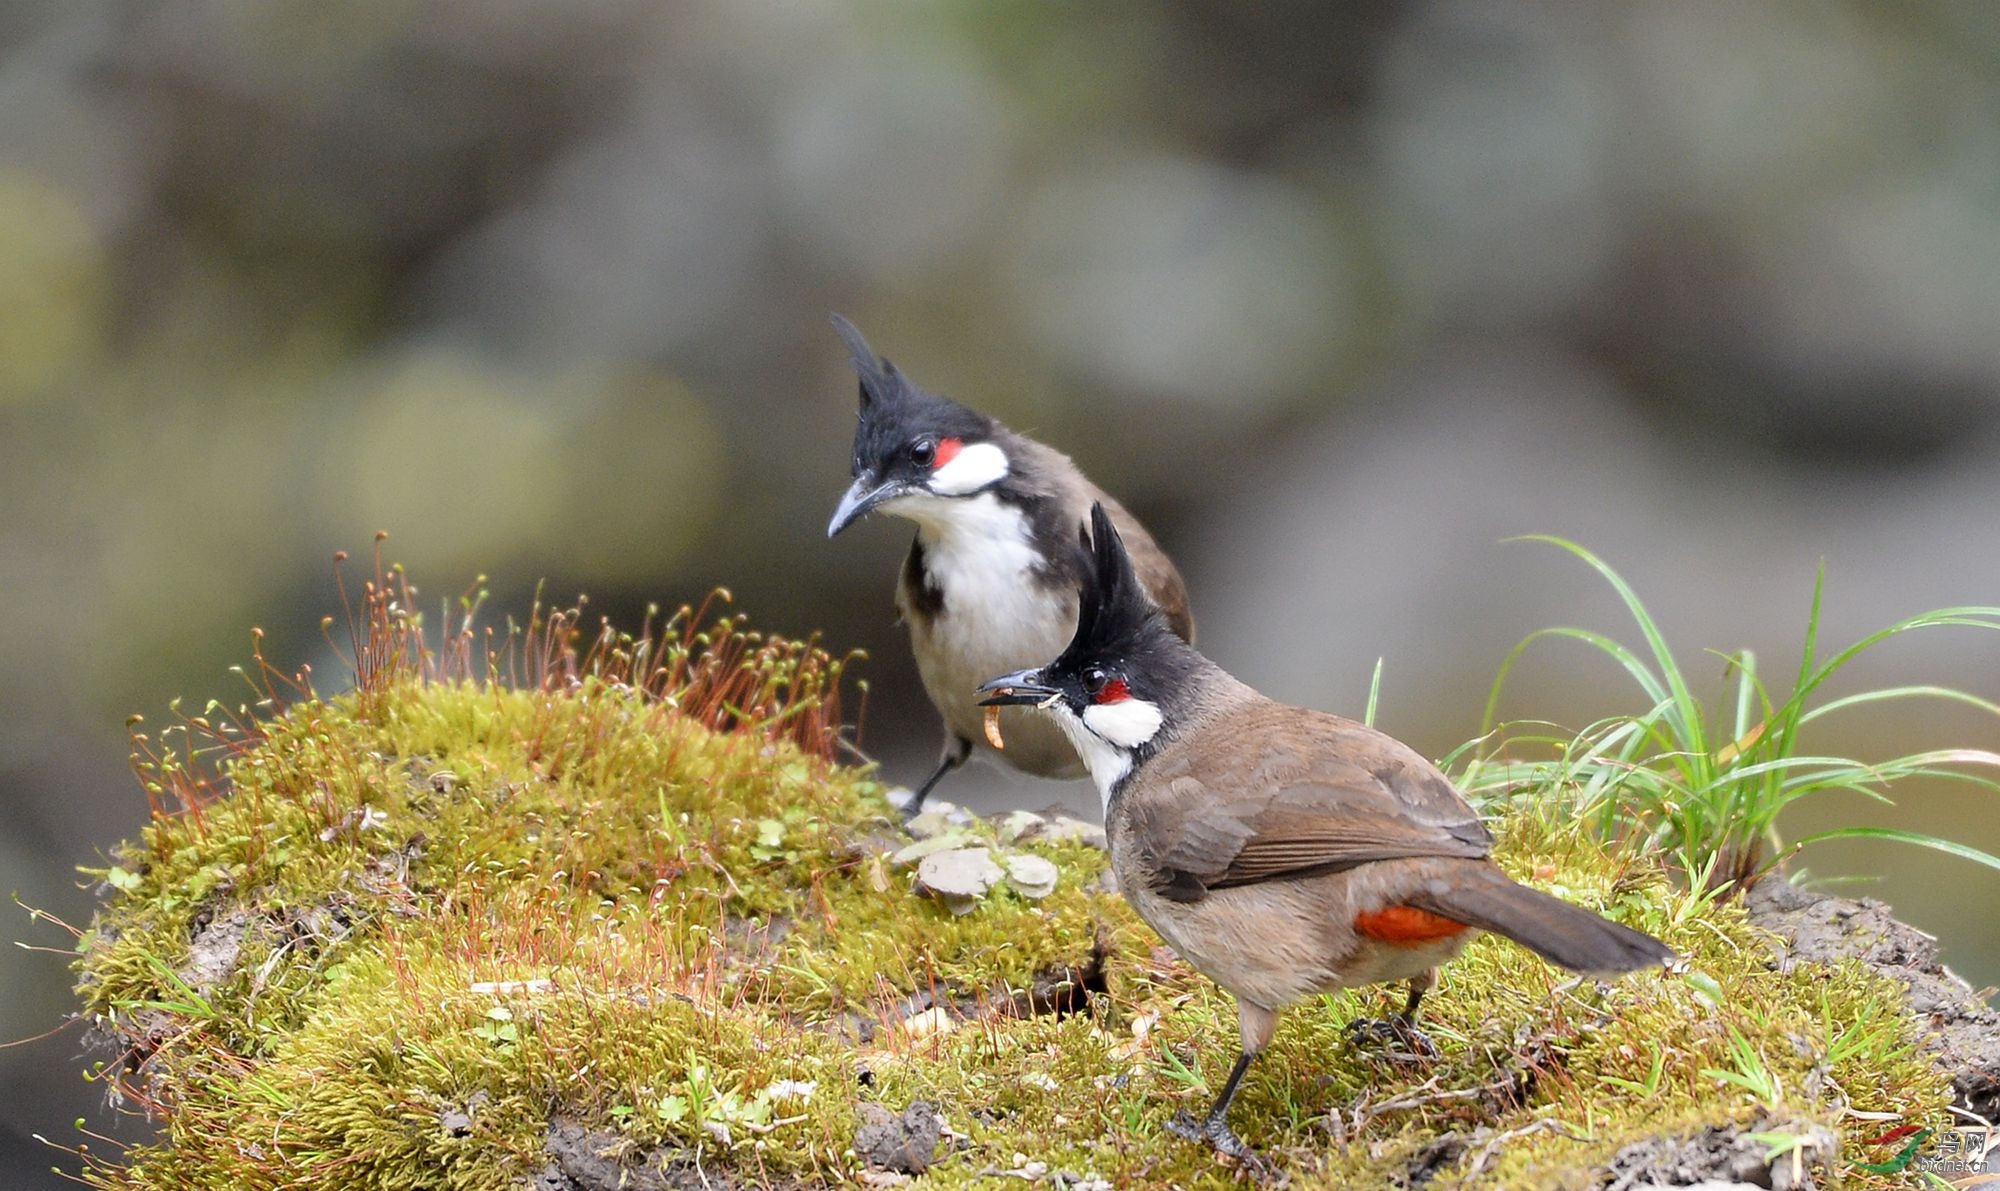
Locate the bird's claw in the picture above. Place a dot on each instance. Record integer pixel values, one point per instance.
(1404, 1042)
(1186, 1128)
(1214, 1132)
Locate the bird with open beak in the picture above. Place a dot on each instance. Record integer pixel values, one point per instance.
(1282, 852)
(991, 578)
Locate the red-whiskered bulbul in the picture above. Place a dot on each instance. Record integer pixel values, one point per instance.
(991, 579)
(1281, 851)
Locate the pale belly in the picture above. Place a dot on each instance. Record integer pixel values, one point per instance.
(997, 617)
(954, 662)
(1274, 943)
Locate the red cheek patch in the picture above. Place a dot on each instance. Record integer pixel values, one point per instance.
(946, 452)
(1406, 924)
(1114, 691)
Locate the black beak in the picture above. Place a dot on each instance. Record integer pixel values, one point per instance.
(1022, 686)
(861, 498)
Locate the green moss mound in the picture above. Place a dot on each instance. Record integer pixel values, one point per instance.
(503, 897)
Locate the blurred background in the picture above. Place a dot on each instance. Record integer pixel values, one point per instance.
(1336, 297)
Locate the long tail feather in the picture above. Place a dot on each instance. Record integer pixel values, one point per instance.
(1483, 896)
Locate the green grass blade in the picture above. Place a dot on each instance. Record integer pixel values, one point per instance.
(1374, 694)
(1693, 738)
(1632, 663)
(1815, 767)
(1745, 665)
(1921, 839)
(1902, 692)
(1971, 616)
(1807, 655)
(1655, 777)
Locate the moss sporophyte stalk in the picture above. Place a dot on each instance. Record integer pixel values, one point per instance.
(528, 899)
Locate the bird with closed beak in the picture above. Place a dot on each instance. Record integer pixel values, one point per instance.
(1281, 851)
(991, 578)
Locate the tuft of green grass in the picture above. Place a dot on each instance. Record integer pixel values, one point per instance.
(389, 938)
(1708, 788)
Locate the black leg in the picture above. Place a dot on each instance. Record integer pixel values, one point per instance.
(1214, 1128)
(1402, 1040)
(956, 750)
(1418, 987)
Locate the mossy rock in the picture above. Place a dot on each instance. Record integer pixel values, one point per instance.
(575, 928)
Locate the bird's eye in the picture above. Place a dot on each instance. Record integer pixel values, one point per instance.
(1105, 687)
(922, 452)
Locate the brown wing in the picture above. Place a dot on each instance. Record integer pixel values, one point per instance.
(1290, 793)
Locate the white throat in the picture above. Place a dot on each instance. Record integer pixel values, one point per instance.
(1105, 736)
(979, 552)
(975, 547)
(951, 510)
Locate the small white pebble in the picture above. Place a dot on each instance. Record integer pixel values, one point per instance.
(931, 1023)
(793, 1089)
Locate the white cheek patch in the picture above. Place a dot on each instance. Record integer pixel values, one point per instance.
(973, 468)
(1127, 723)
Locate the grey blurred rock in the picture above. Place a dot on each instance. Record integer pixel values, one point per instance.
(1059, 827)
(1015, 824)
(1815, 927)
(959, 877)
(938, 817)
(905, 1144)
(1727, 1156)
(1033, 876)
(910, 854)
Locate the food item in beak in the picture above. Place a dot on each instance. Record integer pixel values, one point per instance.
(993, 724)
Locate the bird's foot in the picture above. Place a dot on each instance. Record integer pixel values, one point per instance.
(1213, 1131)
(904, 803)
(1400, 1040)
(922, 817)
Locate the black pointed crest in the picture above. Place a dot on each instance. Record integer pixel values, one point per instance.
(1113, 611)
(879, 378)
(893, 409)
